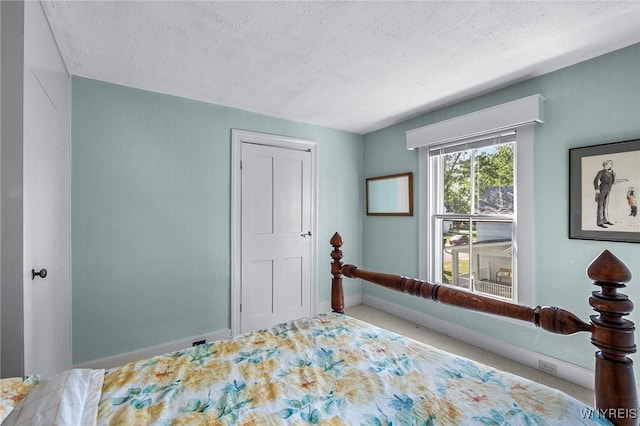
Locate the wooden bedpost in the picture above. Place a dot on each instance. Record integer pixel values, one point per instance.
(615, 386)
(337, 296)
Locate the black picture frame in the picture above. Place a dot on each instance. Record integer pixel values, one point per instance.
(609, 214)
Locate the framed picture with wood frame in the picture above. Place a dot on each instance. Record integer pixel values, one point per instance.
(604, 181)
(390, 195)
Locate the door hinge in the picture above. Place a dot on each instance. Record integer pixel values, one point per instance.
(240, 165)
(241, 307)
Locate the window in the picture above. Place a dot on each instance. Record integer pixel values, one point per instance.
(472, 214)
(476, 199)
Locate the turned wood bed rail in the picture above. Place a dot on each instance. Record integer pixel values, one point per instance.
(615, 387)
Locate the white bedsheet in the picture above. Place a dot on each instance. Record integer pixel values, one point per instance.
(68, 398)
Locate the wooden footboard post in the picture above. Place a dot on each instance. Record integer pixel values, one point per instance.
(337, 295)
(616, 397)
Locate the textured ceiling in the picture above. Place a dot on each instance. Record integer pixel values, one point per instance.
(355, 66)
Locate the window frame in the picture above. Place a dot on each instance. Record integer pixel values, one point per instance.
(437, 216)
(520, 115)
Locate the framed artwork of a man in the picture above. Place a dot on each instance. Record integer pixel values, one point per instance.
(603, 180)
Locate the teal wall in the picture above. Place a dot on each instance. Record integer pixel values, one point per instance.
(151, 214)
(151, 207)
(594, 102)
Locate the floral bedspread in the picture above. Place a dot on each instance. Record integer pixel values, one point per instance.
(327, 370)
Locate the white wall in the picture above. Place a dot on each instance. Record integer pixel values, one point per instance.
(46, 198)
(34, 195)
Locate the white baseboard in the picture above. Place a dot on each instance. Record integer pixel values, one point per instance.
(566, 371)
(153, 351)
(353, 300)
(117, 360)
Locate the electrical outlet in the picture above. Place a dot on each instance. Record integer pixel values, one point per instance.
(199, 342)
(548, 367)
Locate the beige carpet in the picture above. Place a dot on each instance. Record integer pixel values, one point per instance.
(446, 343)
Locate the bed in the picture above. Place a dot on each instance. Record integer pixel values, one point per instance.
(331, 369)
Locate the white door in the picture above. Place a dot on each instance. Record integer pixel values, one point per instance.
(47, 330)
(276, 235)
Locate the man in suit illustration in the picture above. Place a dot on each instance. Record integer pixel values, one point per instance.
(604, 180)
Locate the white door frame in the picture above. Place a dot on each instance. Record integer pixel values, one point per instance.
(238, 137)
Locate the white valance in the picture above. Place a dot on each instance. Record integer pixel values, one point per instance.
(501, 117)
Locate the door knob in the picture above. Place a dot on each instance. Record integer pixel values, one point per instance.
(42, 273)
(305, 235)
